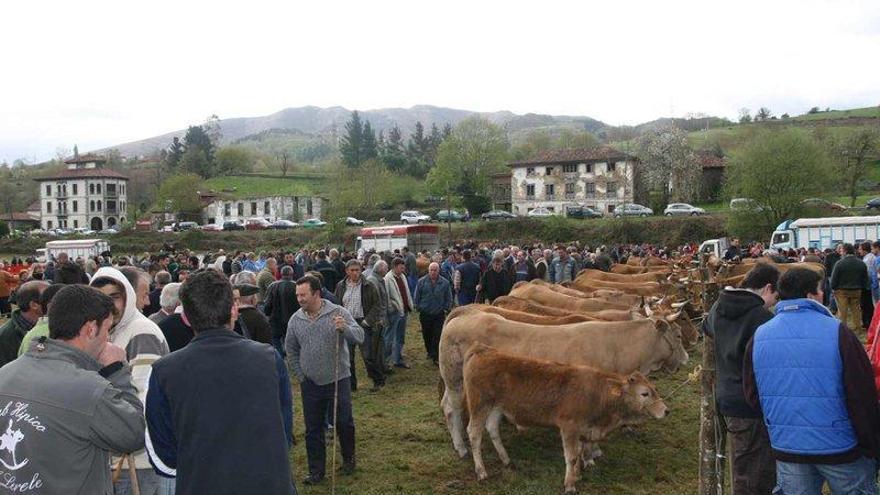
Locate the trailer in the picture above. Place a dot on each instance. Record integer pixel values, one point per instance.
(417, 238)
(824, 233)
(79, 248)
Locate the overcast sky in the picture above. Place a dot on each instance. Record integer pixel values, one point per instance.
(100, 73)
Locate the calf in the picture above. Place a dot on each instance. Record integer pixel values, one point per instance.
(586, 404)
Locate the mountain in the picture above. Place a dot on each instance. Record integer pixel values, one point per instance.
(324, 123)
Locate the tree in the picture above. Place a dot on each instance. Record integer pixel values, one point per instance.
(180, 194)
(763, 115)
(213, 129)
(852, 157)
(195, 161)
(577, 139)
(284, 162)
(777, 170)
(174, 154)
(197, 137)
(351, 144)
(669, 164)
(233, 160)
(813, 110)
(391, 151)
(447, 130)
(369, 147)
(466, 161)
(745, 116)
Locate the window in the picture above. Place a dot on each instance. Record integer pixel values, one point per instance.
(75, 205)
(265, 208)
(611, 189)
(530, 170)
(227, 209)
(309, 210)
(75, 222)
(253, 207)
(569, 169)
(98, 190)
(590, 188)
(530, 190)
(99, 205)
(91, 189)
(122, 187)
(548, 171)
(549, 190)
(569, 188)
(589, 168)
(612, 166)
(91, 206)
(241, 209)
(75, 192)
(48, 207)
(48, 189)
(48, 224)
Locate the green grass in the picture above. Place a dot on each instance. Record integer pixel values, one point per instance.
(403, 446)
(237, 187)
(841, 114)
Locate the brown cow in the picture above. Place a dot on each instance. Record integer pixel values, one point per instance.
(548, 297)
(616, 346)
(632, 269)
(522, 305)
(638, 288)
(513, 315)
(592, 274)
(583, 402)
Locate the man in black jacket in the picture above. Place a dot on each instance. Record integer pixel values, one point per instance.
(219, 411)
(731, 323)
(849, 279)
(280, 305)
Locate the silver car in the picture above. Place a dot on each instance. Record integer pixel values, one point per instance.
(676, 209)
(633, 210)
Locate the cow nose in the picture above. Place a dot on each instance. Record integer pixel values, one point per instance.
(666, 413)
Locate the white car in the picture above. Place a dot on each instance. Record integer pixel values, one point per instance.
(413, 216)
(83, 231)
(540, 213)
(676, 209)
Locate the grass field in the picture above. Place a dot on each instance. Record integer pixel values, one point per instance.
(245, 187)
(841, 114)
(403, 446)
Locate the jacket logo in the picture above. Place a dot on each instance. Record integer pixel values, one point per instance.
(8, 442)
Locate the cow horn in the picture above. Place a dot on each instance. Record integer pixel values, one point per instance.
(648, 311)
(679, 304)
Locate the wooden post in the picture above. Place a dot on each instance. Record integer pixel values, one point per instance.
(711, 474)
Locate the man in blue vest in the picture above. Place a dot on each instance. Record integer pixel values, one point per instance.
(811, 378)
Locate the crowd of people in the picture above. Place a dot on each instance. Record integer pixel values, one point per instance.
(150, 360)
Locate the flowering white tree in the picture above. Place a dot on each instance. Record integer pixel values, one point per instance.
(669, 164)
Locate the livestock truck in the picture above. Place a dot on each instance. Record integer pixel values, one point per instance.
(78, 248)
(417, 237)
(822, 233)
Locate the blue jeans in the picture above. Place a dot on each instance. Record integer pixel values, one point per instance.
(149, 483)
(394, 337)
(856, 478)
(316, 399)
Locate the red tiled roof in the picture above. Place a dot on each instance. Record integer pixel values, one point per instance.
(708, 160)
(87, 158)
(576, 155)
(84, 173)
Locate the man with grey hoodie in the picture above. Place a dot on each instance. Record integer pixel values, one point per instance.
(68, 402)
(144, 344)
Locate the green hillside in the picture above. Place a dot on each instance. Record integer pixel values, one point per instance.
(241, 186)
(867, 112)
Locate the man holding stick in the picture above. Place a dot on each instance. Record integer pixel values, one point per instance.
(319, 359)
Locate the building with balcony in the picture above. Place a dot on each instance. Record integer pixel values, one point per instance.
(602, 178)
(84, 195)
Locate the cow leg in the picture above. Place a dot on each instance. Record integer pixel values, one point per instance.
(451, 404)
(493, 423)
(571, 444)
(475, 434)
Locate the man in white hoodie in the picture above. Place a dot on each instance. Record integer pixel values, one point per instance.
(144, 343)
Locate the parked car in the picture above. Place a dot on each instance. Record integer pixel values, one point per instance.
(413, 216)
(108, 231)
(682, 209)
(212, 227)
(167, 228)
(83, 231)
(282, 224)
(873, 204)
(353, 221)
(184, 226)
(313, 223)
(257, 224)
(233, 225)
(744, 204)
(497, 215)
(582, 212)
(633, 210)
(540, 213)
(452, 216)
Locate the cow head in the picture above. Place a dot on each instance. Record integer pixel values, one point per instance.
(642, 397)
(669, 341)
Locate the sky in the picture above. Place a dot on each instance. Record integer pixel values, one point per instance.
(100, 73)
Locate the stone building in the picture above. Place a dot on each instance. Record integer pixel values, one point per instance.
(84, 195)
(602, 178)
(296, 208)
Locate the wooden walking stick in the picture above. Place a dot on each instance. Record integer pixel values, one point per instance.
(132, 473)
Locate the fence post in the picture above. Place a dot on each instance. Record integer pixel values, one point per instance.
(711, 472)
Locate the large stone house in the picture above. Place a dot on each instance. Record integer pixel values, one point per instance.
(297, 208)
(602, 178)
(85, 195)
